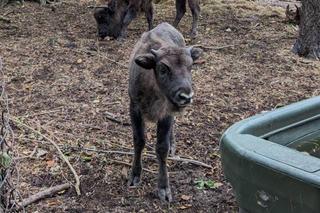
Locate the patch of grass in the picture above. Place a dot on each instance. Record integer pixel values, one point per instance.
(207, 184)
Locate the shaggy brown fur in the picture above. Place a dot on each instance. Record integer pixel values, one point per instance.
(159, 86)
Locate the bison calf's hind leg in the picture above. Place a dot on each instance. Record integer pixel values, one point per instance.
(195, 10)
(164, 128)
(139, 143)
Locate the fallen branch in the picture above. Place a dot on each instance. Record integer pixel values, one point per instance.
(128, 164)
(186, 160)
(43, 194)
(217, 48)
(98, 54)
(93, 7)
(31, 154)
(112, 117)
(77, 184)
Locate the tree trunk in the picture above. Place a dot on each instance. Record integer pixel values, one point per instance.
(308, 42)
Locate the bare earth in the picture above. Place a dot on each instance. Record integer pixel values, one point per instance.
(63, 82)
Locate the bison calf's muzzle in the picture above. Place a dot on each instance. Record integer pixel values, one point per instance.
(183, 98)
(160, 85)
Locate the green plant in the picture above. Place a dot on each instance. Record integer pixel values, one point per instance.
(207, 184)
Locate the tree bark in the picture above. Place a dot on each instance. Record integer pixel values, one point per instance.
(308, 42)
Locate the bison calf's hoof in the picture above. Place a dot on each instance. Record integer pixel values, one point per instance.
(133, 181)
(165, 194)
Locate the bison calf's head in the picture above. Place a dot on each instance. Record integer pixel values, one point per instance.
(172, 68)
(108, 22)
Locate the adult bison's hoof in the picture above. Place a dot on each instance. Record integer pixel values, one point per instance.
(133, 181)
(193, 34)
(165, 194)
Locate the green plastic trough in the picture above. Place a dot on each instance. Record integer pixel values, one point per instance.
(266, 173)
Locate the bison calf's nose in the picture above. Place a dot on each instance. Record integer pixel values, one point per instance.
(183, 98)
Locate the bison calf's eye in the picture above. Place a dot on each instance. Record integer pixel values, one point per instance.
(163, 70)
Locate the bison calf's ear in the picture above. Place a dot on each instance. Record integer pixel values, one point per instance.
(147, 61)
(195, 52)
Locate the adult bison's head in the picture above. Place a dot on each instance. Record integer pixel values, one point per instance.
(109, 20)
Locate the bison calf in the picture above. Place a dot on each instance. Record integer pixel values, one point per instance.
(113, 19)
(159, 87)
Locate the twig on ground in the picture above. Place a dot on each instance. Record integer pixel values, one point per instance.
(128, 164)
(44, 112)
(82, 50)
(31, 154)
(217, 48)
(93, 7)
(186, 160)
(112, 117)
(77, 184)
(43, 194)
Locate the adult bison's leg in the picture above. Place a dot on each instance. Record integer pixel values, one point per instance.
(149, 15)
(131, 14)
(138, 142)
(164, 127)
(180, 11)
(195, 10)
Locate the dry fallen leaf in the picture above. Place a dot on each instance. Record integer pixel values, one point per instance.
(185, 197)
(50, 163)
(149, 136)
(185, 206)
(124, 172)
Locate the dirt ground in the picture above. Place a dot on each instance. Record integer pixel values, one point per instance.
(63, 82)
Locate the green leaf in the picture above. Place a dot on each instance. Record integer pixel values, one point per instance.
(5, 160)
(207, 184)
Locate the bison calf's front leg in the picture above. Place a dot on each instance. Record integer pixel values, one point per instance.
(138, 142)
(162, 149)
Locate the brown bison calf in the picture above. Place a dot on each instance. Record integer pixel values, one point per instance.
(159, 87)
(114, 18)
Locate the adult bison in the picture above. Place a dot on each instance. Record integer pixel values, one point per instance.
(160, 87)
(114, 18)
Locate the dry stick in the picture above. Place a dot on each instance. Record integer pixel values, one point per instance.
(98, 54)
(128, 164)
(44, 112)
(77, 184)
(43, 194)
(93, 7)
(112, 117)
(31, 154)
(186, 160)
(218, 48)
